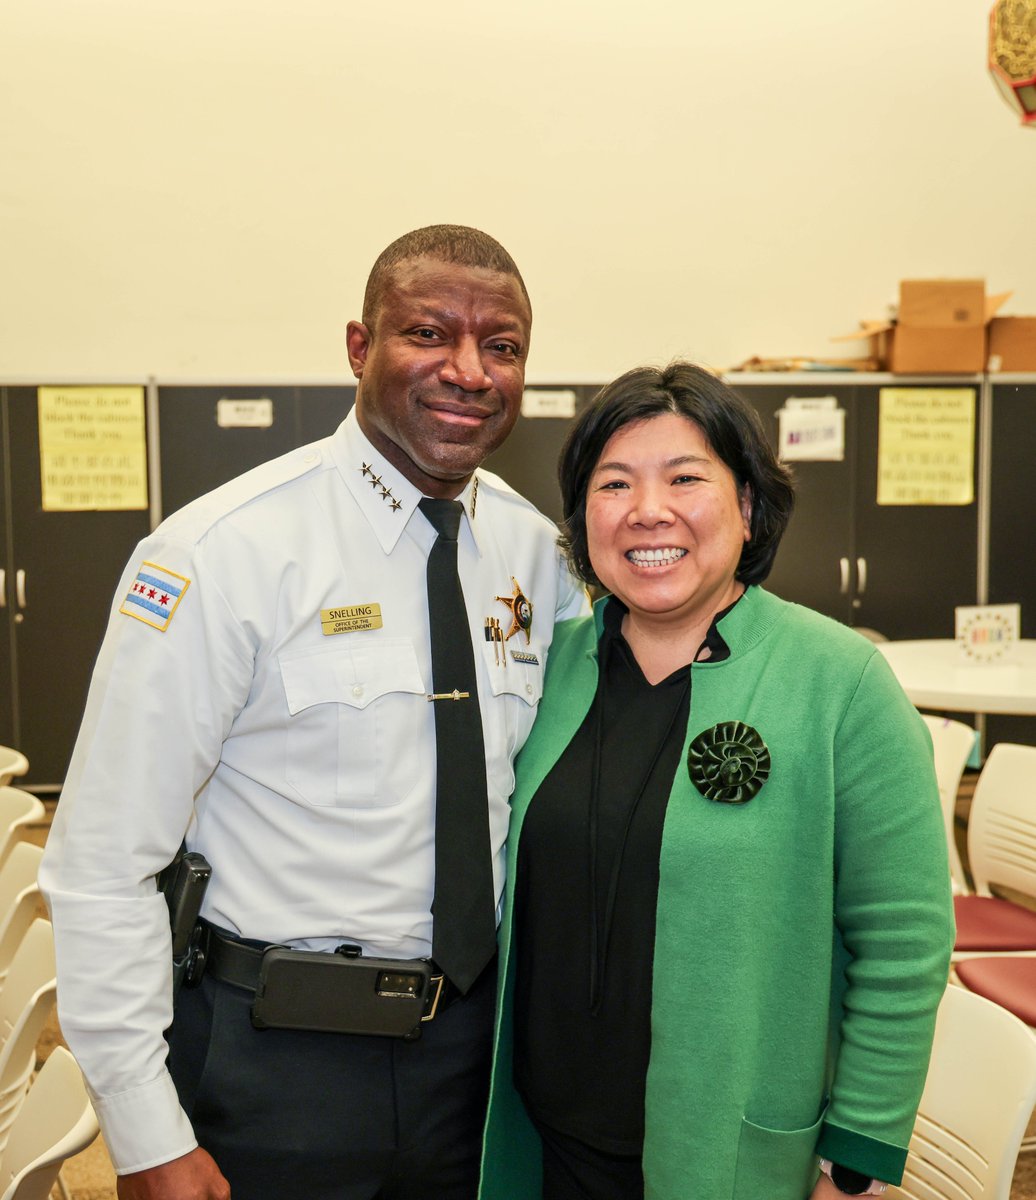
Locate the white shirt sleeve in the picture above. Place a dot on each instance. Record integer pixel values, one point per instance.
(573, 598)
(160, 705)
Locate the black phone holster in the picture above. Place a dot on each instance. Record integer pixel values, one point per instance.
(342, 992)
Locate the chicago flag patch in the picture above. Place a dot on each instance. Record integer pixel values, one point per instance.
(154, 595)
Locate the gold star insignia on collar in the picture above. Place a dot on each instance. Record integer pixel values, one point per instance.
(396, 505)
(521, 612)
(365, 469)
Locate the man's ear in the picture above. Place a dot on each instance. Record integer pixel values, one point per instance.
(358, 340)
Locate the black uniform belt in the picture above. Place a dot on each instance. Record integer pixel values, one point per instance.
(239, 963)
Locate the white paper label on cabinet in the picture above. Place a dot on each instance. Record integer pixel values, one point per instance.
(559, 403)
(811, 429)
(244, 414)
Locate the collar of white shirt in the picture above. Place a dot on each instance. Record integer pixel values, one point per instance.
(386, 497)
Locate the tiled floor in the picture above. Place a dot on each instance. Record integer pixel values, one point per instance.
(89, 1175)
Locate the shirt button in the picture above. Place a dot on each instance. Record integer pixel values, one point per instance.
(358, 690)
(310, 458)
(528, 688)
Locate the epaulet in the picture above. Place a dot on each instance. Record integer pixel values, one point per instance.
(486, 479)
(195, 519)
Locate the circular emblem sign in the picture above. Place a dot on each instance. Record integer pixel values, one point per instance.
(986, 634)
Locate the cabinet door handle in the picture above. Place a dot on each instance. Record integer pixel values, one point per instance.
(861, 576)
(843, 573)
(19, 588)
(3, 588)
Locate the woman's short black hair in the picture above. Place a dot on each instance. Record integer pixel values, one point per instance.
(732, 428)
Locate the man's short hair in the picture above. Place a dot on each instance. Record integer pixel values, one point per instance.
(459, 244)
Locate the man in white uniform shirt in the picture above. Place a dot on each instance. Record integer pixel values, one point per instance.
(263, 692)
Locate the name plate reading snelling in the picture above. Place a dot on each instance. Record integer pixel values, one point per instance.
(350, 618)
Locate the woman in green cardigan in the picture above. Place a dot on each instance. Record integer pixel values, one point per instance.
(728, 917)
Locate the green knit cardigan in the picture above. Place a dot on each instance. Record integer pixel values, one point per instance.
(802, 938)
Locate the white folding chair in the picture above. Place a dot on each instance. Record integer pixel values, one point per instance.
(1002, 854)
(26, 1001)
(953, 742)
(977, 1101)
(55, 1122)
(12, 763)
(19, 899)
(17, 810)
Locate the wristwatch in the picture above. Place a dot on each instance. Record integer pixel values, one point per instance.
(852, 1183)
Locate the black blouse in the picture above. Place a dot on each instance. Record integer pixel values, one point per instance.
(585, 898)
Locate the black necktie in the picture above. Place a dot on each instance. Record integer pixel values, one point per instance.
(464, 907)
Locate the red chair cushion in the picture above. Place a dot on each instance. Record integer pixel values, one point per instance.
(988, 923)
(1009, 982)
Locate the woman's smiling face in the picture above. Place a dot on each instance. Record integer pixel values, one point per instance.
(666, 521)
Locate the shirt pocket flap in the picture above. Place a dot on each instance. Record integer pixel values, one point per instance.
(353, 675)
(522, 679)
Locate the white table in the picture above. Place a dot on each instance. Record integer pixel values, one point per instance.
(935, 674)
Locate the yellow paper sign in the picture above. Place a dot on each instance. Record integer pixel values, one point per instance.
(93, 453)
(926, 445)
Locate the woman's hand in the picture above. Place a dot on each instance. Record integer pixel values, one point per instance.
(825, 1190)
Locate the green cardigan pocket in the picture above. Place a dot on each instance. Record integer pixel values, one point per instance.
(780, 1164)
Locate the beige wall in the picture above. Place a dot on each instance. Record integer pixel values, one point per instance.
(198, 187)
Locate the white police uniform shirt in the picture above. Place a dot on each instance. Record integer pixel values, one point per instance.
(293, 742)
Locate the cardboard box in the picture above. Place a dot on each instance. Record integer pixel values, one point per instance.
(879, 336)
(1012, 344)
(941, 327)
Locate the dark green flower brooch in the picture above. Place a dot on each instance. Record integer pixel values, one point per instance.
(728, 763)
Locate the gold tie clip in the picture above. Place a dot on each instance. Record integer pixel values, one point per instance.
(454, 695)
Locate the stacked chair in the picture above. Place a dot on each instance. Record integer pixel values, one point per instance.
(996, 943)
(27, 972)
(45, 1121)
(953, 742)
(55, 1122)
(26, 1001)
(977, 1101)
(12, 763)
(20, 901)
(1002, 856)
(1002, 834)
(18, 809)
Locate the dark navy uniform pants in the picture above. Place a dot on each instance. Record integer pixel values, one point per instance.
(330, 1116)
